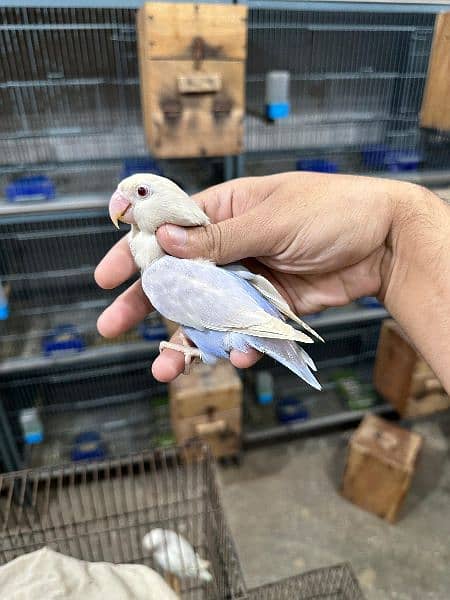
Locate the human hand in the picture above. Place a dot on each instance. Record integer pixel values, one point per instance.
(322, 240)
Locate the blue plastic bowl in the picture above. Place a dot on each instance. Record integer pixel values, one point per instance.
(381, 157)
(64, 338)
(401, 160)
(140, 165)
(374, 157)
(291, 409)
(319, 165)
(28, 189)
(88, 446)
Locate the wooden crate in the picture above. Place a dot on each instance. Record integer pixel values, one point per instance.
(192, 72)
(403, 378)
(380, 465)
(207, 405)
(435, 112)
(207, 387)
(221, 430)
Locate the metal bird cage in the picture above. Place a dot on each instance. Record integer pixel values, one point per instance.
(70, 98)
(112, 394)
(102, 511)
(71, 89)
(47, 263)
(357, 77)
(334, 583)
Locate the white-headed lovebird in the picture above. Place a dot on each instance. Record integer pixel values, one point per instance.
(174, 554)
(219, 308)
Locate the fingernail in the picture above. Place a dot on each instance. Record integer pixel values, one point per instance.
(177, 235)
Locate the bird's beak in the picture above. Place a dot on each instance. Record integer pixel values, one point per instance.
(118, 206)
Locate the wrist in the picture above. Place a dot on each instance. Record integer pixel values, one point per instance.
(414, 245)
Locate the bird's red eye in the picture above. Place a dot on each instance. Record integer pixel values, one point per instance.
(142, 191)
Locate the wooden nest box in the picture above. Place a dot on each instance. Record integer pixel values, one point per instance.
(192, 72)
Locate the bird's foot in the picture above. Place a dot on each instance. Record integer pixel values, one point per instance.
(190, 353)
(173, 581)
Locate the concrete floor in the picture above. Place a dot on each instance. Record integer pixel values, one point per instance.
(287, 517)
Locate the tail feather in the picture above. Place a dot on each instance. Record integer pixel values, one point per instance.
(202, 563)
(289, 354)
(308, 360)
(205, 576)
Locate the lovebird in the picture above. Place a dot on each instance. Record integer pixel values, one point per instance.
(174, 554)
(218, 308)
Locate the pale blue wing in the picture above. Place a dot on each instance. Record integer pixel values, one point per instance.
(198, 294)
(271, 294)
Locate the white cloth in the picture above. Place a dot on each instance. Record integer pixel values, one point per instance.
(54, 576)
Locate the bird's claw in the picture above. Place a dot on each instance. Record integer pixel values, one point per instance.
(190, 353)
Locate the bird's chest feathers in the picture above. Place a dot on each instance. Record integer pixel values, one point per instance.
(144, 248)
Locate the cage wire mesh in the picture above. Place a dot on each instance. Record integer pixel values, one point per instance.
(102, 511)
(47, 264)
(114, 396)
(70, 87)
(357, 79)
(334, 583)
(349, 351)
(47, 257)
(345, 347)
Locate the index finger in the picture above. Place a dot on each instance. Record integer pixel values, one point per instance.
(116, 266)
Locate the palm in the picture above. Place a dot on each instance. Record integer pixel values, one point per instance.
(331, 261)
(314, 292)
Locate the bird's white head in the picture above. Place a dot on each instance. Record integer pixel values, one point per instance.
(148, 201)
(153, 540)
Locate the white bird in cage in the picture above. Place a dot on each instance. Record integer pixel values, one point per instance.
(220, 308)
(174, 555)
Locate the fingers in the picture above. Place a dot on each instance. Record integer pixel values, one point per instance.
(244, 360)
(127, 310)
(116, 266)
(170, 363)
(248, 235)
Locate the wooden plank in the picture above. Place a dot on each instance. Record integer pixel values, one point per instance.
(143, 70)
(188, 125)
(191, 427)
(174, 30)
(199, 84)
(435, 111)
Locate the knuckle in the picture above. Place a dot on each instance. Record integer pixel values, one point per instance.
(213, 241)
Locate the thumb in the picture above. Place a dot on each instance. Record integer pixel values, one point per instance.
(225, 242)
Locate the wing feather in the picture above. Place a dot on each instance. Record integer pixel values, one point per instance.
(198, 294)
(270, 292)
